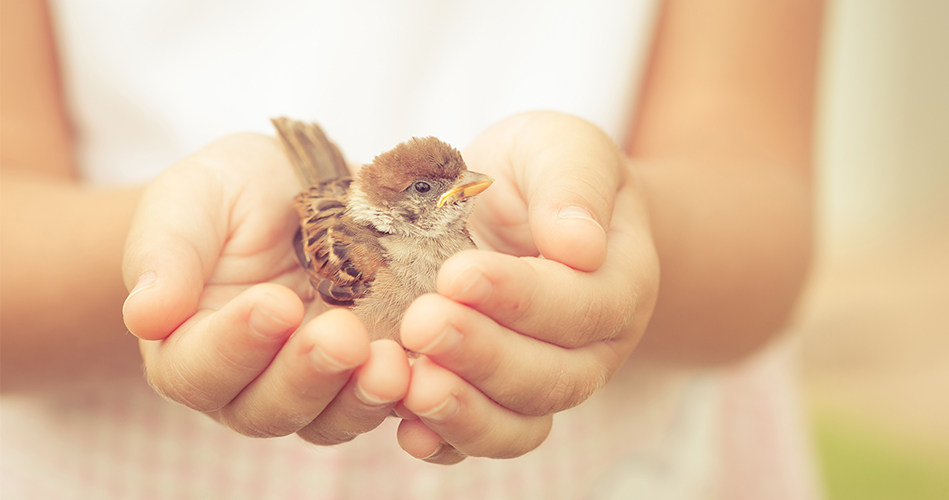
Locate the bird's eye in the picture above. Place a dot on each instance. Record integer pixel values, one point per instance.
(422, 187)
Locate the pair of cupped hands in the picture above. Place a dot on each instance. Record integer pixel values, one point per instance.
(533, 322)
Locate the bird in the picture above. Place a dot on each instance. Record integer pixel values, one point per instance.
(374, 242)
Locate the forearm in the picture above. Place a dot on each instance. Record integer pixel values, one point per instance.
(734, 245)
(722, 146)
(62, 288)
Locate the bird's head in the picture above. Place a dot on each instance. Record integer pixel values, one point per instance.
(421, 188)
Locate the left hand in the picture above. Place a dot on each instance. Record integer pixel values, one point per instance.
(535, 326)
(221, 304)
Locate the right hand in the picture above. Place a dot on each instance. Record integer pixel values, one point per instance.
(219, 302)
(552, 305)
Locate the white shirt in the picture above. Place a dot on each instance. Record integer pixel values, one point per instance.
(151, 81)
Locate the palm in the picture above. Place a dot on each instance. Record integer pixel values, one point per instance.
(499, 221)
(257, 238)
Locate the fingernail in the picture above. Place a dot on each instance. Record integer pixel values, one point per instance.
(262, 323)
(325, 363)
(472, 287)
(442, 412)
(144, 282)
(574, 212)
(370, 399)
(438, 449)
(443, 342)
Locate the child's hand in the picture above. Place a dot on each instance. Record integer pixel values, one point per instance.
(216, 301)
(509, 341)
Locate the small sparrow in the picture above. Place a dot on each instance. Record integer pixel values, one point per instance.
(376, 242)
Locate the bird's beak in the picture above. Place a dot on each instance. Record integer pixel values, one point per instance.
(469, 184)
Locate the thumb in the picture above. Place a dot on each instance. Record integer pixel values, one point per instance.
(571, 171)
(169, 252)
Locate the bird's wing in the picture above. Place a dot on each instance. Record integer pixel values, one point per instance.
(340, 257)
(315, 158)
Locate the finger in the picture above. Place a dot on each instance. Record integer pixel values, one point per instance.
(518, 372)
(170, 251)
(165, 286)
(212, 357)
(543, 298)
(425, 444)
(467, 419)
(568, 171)
(234, 191)
(366, 400)
(303, 378)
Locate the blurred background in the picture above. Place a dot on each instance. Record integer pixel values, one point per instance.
(875, 321)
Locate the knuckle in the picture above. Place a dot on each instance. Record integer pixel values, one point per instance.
(259, 426)
(236, 363)
(602, 319)
(566, 390)
(570, 383)
(325, 435)
(176, 385)
(335, 427)
(513, 443)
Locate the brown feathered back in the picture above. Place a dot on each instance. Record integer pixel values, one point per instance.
(341, 260)
(419, 158)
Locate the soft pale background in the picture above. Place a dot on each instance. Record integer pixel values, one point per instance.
(875, 321)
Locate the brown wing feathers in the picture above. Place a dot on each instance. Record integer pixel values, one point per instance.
(340, 258)
(316, 159)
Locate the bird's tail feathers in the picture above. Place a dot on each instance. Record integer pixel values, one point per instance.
(316, 159)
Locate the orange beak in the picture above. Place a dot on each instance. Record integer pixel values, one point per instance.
(469, 184)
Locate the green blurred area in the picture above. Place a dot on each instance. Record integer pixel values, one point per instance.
(875, 323)
(865, 461)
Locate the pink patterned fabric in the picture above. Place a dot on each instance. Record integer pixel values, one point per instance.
(763, 434)
(652, 433)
